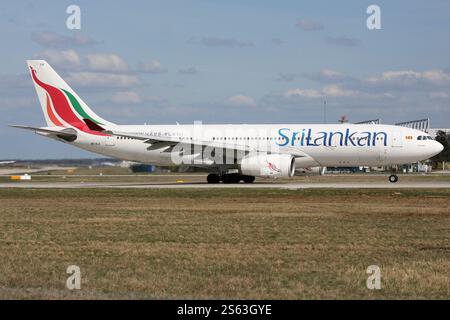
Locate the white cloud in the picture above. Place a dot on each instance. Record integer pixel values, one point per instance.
(329, 73)
(95, 79)
(51, 39)
(66, 59)
(337, 91)
(439, 95)
(106, 70)
(127, 97)
(153, 66)
(334, 90)
(387, 83)
(71, 60)
(108, 62)
(410, 78)
(220, 42)
(324, 75)
(189, 71)
(305, 93)
(82, 40)
(241, 101)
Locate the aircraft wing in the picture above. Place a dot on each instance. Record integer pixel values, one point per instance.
(161, 140)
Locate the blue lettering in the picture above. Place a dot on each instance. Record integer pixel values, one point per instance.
(330, 139)
(285, 138)
(364, 140)
(302, 140)
(294, 136)
(384, 138)
(322, 139)
(308, 139)
(349, 137)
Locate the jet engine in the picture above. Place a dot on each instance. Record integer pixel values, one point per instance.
(268, 165)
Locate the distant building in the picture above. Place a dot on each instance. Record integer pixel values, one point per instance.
(422, 124)
(374, 121)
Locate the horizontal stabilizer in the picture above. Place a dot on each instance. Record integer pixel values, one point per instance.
(68, 134)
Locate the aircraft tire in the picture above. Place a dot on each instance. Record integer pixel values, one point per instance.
(248, 179)
(231, 178)
(393, 178)
(213, 178)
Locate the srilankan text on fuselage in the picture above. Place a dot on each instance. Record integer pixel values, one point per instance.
(347, 137)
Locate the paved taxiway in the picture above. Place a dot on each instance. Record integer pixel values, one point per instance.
(295, 185)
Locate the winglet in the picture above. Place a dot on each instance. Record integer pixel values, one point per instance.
(93, 126)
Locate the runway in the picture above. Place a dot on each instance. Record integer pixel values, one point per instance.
(289, 186)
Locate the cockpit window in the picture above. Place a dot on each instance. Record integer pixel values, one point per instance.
(424, 138)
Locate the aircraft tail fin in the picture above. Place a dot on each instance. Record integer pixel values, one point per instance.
(62, 107)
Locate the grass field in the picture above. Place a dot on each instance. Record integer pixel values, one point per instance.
(225, 243)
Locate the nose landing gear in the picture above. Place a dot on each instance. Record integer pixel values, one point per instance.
(393, 178)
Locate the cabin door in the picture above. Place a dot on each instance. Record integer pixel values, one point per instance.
(397, 140)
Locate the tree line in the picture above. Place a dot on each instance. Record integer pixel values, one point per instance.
(444, 139)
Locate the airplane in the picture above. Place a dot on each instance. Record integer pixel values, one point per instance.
(6, 162)
(231, 153)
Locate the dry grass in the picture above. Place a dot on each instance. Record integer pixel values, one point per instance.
(224, 243)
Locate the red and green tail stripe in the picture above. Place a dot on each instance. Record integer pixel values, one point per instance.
(62, 107)
(78, 108)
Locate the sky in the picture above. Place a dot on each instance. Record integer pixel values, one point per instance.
(246, 61)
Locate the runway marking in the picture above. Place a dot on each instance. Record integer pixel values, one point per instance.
(312, 185)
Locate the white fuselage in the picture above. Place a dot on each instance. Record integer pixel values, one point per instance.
(340, 145)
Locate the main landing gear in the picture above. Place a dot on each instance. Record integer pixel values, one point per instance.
(213, 178)
(229, 178)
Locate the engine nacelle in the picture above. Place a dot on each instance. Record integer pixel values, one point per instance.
(268, 165)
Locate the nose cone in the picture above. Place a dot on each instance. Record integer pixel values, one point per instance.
(436, 148)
